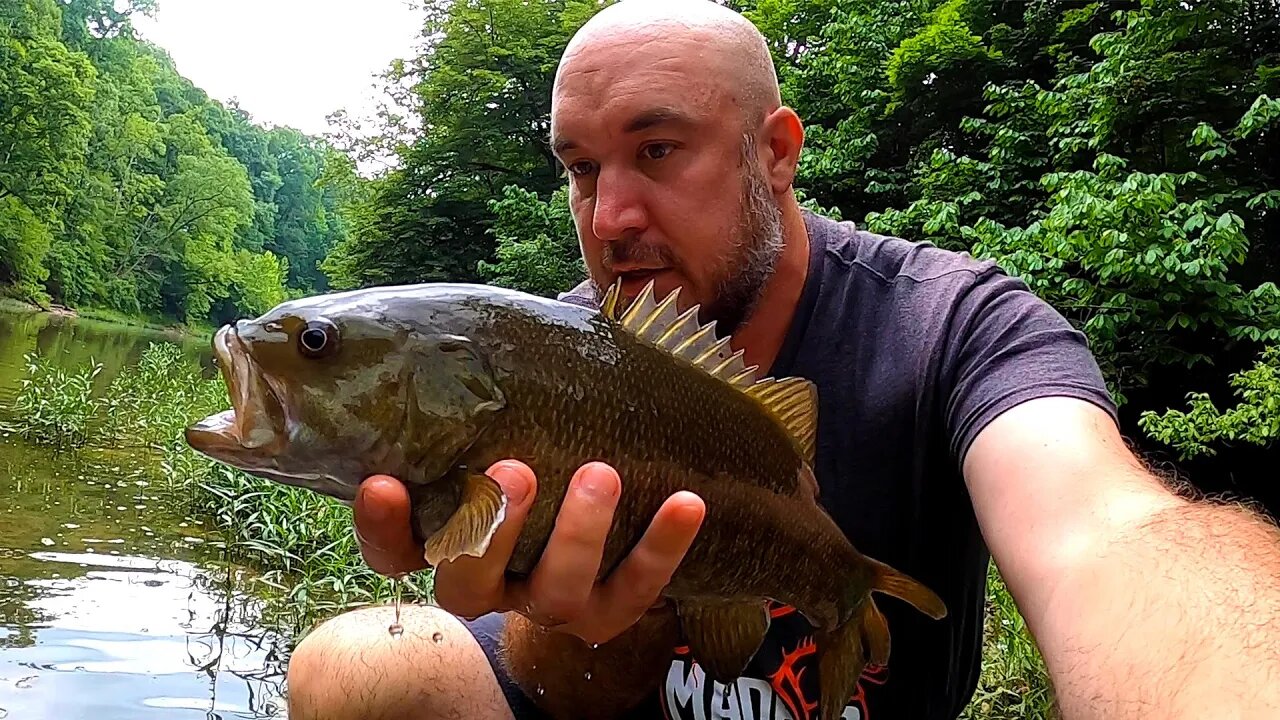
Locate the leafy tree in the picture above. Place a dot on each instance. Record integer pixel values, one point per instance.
(126, 187)
(45, 90)
(1120, 157)
(537, 248)
(1203, 428)
(473, 118)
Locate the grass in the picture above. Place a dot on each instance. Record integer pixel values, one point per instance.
(304, 543)
(1014, 684)
(13, 305)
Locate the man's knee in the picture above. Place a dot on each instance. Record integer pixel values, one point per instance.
(352, 667)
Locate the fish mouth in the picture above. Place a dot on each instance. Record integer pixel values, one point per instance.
(255, 424)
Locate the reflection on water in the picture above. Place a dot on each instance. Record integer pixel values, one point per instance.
(114, 604)
(128, 637)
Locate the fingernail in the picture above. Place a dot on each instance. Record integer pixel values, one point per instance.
(597, 482)
(372, 509)
(513, 484)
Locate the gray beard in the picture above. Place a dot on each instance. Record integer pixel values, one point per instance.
(747, 265)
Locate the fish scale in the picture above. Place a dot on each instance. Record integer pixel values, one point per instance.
(434, 383)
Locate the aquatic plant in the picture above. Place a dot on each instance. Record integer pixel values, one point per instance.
(54, 405)
(150, 402)
(303, 543)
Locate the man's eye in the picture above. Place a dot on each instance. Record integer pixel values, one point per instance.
(582, 167)
(657, 151)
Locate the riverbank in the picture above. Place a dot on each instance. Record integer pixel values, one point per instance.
(301, 543)
(14, 305)
(188, 330)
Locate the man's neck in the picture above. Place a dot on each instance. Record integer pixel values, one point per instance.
(761, 336)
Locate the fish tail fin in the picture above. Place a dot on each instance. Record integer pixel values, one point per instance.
(845, 652)
(904, 587)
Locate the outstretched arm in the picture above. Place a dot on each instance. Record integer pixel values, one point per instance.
(1145, 604)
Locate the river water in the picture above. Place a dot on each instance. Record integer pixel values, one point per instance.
(113, 604)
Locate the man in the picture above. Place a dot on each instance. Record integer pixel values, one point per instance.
(958, 414)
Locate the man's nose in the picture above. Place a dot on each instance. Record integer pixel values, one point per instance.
(619, 208)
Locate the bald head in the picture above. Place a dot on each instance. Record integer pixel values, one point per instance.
(667, 118)
(729, 51)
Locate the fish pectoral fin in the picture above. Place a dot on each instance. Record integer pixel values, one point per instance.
(471, 527)
(722, 636)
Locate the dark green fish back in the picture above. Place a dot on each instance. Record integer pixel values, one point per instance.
(642, 406)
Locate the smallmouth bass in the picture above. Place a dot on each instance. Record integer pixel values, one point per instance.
(434, 383)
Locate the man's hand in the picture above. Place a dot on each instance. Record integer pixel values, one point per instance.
(561, 591)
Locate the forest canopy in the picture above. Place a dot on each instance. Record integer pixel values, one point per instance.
(1123, 158)
(126, 188)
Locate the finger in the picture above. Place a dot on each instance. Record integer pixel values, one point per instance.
(561, 584)
(472, 586)
(635, 586)
(383, 527)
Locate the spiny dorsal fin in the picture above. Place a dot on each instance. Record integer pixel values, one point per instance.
(609, 303)
(793, 402)
(660, 324)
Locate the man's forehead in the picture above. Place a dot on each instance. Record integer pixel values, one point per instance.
(617, 64)
(621, 92)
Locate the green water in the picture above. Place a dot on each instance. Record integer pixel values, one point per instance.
(113, 603)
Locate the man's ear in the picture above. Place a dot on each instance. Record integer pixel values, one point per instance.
(782, 138)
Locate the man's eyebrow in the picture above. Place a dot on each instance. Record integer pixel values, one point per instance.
(560, 145)
(657, 116)
(643, 120)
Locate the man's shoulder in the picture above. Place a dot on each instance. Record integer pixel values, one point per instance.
(893, 262)
(583, 294)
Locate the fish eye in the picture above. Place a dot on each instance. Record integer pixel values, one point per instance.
(318, 339)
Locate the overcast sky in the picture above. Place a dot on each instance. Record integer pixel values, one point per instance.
(288, 62)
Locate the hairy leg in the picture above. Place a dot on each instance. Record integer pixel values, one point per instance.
(351, 667)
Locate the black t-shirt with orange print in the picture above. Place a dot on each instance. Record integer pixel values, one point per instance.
(781, 681)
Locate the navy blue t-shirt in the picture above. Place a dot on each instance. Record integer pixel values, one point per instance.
(913, 349)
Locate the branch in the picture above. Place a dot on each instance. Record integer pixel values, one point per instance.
(492, 167)
(7, 191)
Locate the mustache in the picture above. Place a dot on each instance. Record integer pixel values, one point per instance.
(631, 250)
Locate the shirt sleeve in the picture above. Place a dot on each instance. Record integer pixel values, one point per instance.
(580, 294)
(1006, 346)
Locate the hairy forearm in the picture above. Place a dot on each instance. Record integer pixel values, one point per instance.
(1171, 614)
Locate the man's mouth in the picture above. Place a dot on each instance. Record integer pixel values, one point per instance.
(633, 281)
(256, 418)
